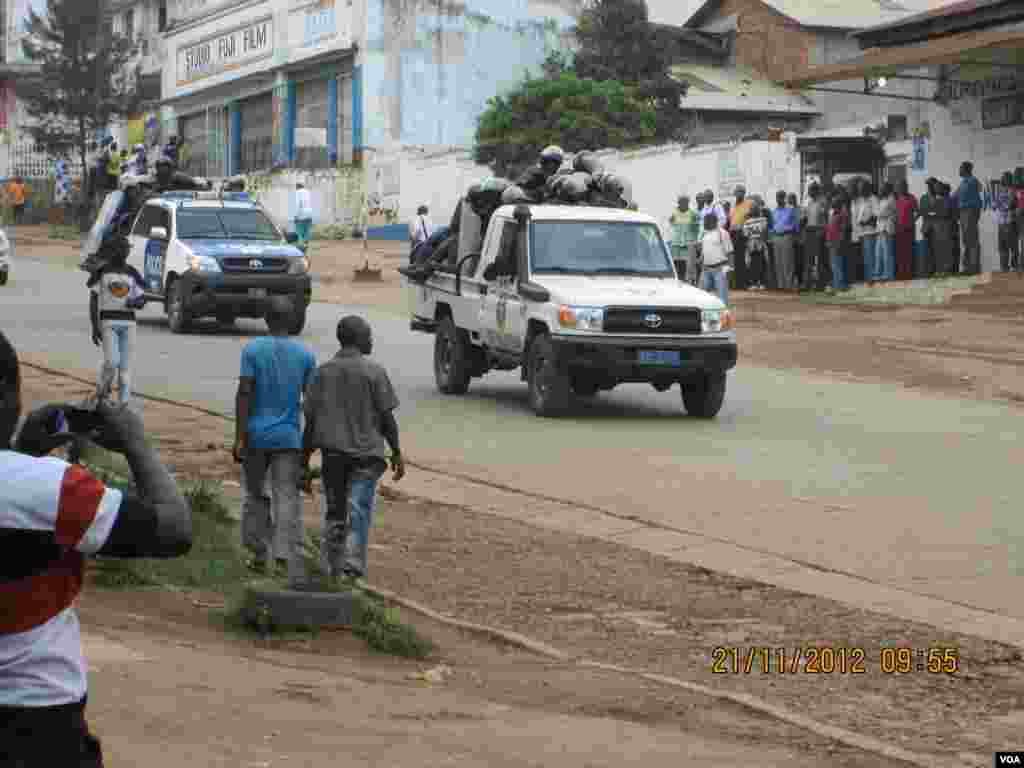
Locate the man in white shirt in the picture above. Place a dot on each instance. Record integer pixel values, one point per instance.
(420, 228)
(53, 515)
(303, 214)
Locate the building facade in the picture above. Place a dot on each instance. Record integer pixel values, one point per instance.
(338, 92)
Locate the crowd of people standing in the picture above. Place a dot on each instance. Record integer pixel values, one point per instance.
(844, 235)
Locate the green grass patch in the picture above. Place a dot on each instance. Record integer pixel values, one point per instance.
(381, 627)
(65, 232)
(217, 563)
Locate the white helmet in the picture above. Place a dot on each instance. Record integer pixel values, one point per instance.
(552, 154)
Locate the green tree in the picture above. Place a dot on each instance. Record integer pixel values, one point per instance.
(561, 109)
(617, 42)
(84, 77)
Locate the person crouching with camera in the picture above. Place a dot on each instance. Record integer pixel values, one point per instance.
(52, 516)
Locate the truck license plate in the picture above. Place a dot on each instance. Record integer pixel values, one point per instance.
(671, 359)
(257, 293)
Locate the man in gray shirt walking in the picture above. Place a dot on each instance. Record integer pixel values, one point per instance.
(350, 419)
(815, 215)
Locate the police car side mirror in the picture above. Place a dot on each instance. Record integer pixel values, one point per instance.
(158, 233)
(292, 237)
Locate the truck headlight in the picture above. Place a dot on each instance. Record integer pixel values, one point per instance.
(581, 318)
(203, 264)
(299, 266)
(717, 320)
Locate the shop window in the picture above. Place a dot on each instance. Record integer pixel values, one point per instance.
(129, 24)
(311, 125)
(257, 136)
(194, 135)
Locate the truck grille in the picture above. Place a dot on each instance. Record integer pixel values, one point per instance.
(636, 320)
(260, 264)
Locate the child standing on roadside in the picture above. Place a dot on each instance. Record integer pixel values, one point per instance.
(755, 230)
(835, 231)
(116, 292)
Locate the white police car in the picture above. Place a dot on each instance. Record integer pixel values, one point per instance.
(205, 254)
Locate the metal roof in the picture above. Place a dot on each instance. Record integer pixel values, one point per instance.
(730, 89)
(827, 14)
(875, 62)
(960, 8)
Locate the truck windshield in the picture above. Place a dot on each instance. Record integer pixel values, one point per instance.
(225, 224)
(598, 248)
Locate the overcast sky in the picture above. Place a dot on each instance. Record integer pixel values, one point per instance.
(677, 11)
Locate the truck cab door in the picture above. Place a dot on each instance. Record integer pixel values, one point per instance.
(500, 305)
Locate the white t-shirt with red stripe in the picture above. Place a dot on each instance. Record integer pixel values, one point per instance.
(41, 662)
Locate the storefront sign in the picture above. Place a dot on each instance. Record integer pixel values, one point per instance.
(979, 89)
(729, 174)
(327, 21)
(226, 51)
(1003, 112)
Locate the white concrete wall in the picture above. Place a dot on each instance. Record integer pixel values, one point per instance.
(658, 175)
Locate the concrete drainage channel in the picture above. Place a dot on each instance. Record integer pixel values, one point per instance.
(336, 609)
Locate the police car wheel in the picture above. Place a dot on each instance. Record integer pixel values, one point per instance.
(177, 316)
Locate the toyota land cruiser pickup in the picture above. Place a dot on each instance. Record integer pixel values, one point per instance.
(581, 299)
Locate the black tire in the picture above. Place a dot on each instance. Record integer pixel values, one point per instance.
(582, 387)
(178, 318)
(298, 322)
(550, 390)
(704, 393)
(453, 357)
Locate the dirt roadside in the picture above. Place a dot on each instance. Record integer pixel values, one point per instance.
(609, 603)
(939, 349)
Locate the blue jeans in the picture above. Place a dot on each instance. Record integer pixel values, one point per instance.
(885, 258)
(350, 485)
(118, 356)
(716, 281)
(835, 256)
(869, 244)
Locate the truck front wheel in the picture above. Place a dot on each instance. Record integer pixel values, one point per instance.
(550, 388)
(704, 393)
(452, 358)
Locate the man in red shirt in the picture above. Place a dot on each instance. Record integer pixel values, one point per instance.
(906, 225)
(52, 516)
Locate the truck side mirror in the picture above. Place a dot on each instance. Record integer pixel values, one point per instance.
(158, 233)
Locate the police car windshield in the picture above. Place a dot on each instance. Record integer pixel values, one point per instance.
(225, 224)
(598, 248)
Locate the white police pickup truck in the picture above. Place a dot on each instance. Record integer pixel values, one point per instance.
(581, 299)
(206, 254)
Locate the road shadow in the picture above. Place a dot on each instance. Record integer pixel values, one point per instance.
(605, 406)
(239, 329)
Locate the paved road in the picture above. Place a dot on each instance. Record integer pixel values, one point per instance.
(893, 486)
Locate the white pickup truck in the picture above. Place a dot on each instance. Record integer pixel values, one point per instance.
(581, 299)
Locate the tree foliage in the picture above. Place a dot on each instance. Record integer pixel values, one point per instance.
(84, 81)
(615, 90)
(574, 113)
(618, 42)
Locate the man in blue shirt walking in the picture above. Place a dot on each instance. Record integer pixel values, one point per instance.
(268, 442)
(968, 200)
(785, 226)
